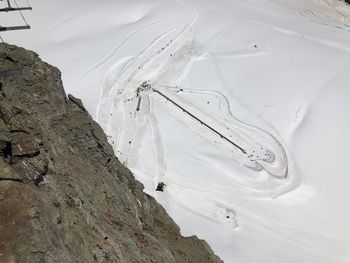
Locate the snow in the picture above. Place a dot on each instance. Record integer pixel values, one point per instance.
(270, 76)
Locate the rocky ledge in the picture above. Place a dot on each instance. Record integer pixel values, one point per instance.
(64, 196)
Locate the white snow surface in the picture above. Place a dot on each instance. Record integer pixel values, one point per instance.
(241, 107)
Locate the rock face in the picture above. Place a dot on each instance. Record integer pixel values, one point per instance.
(64, 197)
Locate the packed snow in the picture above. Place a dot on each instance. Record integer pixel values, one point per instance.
(240, 107)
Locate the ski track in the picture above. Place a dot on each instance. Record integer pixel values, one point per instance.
(323, 42)
(125, 109)
(115, 50)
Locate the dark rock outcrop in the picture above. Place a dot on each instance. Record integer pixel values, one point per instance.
(64, 197)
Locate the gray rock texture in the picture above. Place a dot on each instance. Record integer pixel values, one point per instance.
(64, 196)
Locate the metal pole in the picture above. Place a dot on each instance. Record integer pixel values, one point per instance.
(11, 28)
(202, 122)
(9, 9)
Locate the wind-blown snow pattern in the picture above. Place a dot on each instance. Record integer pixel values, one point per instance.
(239, 107)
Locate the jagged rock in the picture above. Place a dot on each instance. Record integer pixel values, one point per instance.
(64, 197)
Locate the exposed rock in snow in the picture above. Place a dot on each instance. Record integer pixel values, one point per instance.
(64, 196)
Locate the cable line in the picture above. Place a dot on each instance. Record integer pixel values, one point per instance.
(25, 21)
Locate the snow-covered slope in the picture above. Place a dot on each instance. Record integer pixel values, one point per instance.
(335, 11)
(239, 107)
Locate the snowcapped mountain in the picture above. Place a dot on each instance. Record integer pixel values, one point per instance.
(240, 107)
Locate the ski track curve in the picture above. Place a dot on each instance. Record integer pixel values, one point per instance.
(125, 109)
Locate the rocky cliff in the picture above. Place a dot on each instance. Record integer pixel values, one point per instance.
(64, 197)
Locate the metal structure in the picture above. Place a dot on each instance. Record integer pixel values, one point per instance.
(10, 8)
(201, 122)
